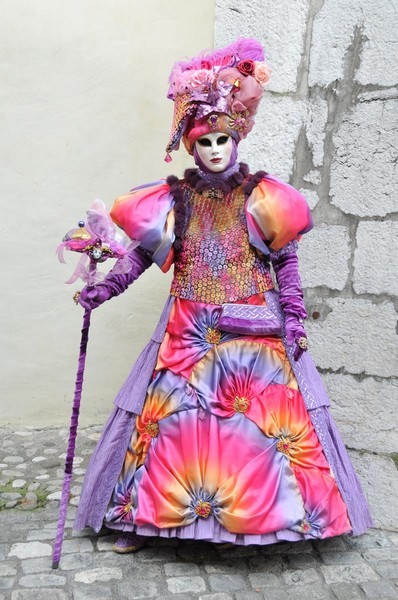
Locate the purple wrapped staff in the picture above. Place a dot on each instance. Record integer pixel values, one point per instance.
(97, 240)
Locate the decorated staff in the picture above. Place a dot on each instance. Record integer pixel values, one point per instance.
(97, 241)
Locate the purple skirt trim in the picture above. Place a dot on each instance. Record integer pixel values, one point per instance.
(210, 530)
(107, 460)
(343, 471)
(104, 469)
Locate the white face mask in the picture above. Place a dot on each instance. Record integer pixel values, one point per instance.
(214, 150)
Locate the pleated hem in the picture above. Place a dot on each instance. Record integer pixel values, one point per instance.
(210, 530)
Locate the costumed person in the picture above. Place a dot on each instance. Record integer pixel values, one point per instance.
(222, 430)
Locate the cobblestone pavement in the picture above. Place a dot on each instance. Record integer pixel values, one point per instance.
(31, 467)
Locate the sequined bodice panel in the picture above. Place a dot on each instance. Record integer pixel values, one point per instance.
(217, 263)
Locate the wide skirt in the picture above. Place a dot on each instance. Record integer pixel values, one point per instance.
(224, 450)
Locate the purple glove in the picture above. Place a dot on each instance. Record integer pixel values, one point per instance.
(285, 263)
(115, 283)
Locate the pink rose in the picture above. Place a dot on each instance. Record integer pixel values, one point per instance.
(262, 73)
(201, 79)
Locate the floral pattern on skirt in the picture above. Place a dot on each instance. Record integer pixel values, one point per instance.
(225, 434)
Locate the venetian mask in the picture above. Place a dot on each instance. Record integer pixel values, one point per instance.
(214, 150)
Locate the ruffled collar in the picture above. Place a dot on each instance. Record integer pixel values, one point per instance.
(225, 182)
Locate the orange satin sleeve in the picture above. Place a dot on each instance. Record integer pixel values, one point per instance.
(276, 214)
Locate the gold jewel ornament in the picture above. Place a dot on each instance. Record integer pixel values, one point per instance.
(241, 404)
(283, 445)
(76, 297)
(213, 336)
(203, 509)
(303, 343)
(152, 428)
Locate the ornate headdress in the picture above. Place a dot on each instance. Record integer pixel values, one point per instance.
(217, 90)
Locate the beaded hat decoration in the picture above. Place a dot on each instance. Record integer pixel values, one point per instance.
(217, 90)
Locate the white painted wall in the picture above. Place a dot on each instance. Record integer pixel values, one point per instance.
(84, 115)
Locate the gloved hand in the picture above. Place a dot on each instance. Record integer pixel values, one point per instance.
(285, 263)
(91, 297)
(115, 283)
(295, 335)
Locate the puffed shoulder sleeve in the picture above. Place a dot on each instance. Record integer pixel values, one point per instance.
(146, 215)
(276, 214)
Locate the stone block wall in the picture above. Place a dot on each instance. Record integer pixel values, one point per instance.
(329, 126)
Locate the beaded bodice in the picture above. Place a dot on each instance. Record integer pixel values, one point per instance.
(217, 263)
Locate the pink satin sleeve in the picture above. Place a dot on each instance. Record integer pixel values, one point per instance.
(145, 214)
(276, 214)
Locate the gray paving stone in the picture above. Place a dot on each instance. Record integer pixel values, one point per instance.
(90, 576)
(105, 543)
(269, 564)
(232, 567)
(38, 535)
(25, 526)
(264, 580)
(216, 596)
(94, 592)
(349, 573)
(113, 559)
(13, 460)
(379, 590)
(393, 537)
(341, 558)
(301, 577)
(303, 561)
(5, 536)
(56, 495)
(375, 554)
(4, 550)
(42, 579)
(10, 496)
(40, 594)
(7, 570)
(386, 570)
(30, 550)
(227, 583)
(11, 473)
(77, 545)
(185, 596)
(36, 565)
(157, 554)
(372, 539)
(6, 583)
(180, 585)
(315, 591)
(280, 593)
(178, 569)
(72, 562)
(346, 591)
(129, 590)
